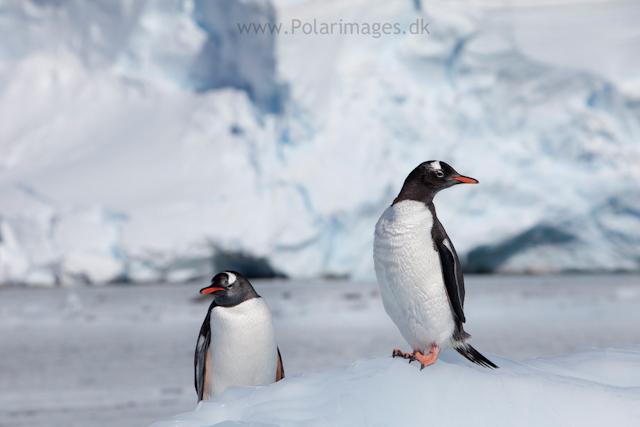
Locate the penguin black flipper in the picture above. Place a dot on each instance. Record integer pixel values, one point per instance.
(280, 371)
(451, 271)
(200, 359)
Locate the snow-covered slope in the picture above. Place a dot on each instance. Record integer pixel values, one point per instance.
(137, 138)
(586, 389)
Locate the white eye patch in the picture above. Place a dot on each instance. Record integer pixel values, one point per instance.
(435, 165)
(232, 277)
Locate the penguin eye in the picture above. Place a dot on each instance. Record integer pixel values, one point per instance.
(439, 173)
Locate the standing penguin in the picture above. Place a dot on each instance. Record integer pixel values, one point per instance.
(237, 345)
(418, 269)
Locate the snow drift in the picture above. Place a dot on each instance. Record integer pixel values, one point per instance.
(586, 389)
(138, 139)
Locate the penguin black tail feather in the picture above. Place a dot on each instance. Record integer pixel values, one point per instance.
(474, 356)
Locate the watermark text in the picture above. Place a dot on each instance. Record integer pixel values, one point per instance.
(297, 27)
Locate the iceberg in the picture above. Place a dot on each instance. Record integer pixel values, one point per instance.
(140, 140)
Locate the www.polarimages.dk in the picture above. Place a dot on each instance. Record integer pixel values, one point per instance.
(376, 29)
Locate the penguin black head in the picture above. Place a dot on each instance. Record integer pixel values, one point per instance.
(229, 289)
(427, 179)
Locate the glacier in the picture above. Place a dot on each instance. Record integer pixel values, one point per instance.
(139, 139)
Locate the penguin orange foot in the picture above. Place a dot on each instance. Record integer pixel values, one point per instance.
(426, 359)
(398, 353)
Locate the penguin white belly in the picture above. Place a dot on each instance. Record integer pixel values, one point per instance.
(409, 273)
(243, 349)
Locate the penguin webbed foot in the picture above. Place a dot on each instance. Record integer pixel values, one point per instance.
(413, 358)
(424, 359)
(398, 353)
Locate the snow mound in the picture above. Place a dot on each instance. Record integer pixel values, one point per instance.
(583, 389)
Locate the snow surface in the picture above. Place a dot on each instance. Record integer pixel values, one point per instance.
(129, 151)
(123, 355)
(586, 389)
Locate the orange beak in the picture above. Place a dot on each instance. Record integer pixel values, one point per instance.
(466, 179)
(210, 290)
